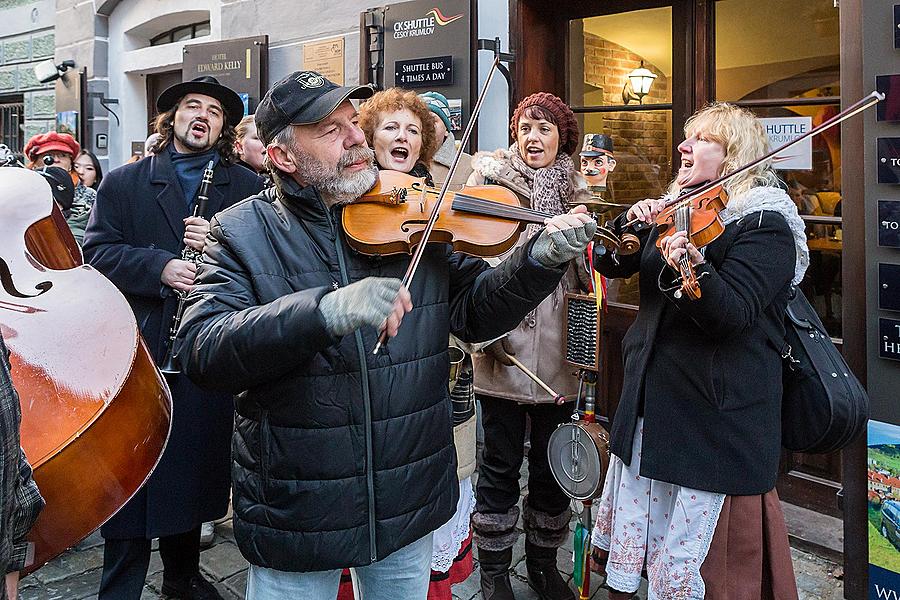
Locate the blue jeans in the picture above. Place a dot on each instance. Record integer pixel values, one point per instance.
(404, 574)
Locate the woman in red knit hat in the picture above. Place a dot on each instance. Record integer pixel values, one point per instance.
(539, 169)
(59, 150)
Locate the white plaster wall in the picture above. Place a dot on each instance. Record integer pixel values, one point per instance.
(493, 126)
(290, 25)
(129, 65)
(28, 18)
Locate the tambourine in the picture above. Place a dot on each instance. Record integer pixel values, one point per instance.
(579, 456)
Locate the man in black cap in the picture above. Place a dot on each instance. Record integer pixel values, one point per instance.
(342, 458)
(137, 229)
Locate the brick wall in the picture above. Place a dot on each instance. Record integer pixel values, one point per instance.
(642, 140)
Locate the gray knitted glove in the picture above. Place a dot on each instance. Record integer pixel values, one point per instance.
(554, 249)
(368, 301)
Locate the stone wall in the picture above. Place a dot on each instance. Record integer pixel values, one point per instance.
(28, 38)
(642, 140)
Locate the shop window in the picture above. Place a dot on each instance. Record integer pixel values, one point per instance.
(794, 71)
(12, 116)
(605, 50)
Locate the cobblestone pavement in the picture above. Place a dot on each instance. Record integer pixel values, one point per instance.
(76, 574)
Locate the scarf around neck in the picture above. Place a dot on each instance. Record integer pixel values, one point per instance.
(548, 189)
(189, 170)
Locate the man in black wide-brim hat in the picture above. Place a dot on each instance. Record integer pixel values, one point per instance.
(140, 222)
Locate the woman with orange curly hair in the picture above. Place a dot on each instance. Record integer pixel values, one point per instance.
(399, 128)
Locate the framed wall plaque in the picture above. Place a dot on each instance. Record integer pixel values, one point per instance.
(897, 26)
(889, 223)
(888, 286)
(889, 108)
(888, 160)
(889, 338)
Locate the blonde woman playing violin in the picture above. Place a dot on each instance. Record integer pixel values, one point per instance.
(690, 492)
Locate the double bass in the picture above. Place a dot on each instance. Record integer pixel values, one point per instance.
(96, 412)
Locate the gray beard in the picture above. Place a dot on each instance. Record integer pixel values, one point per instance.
(338, 189)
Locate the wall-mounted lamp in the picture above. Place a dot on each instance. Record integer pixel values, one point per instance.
(47, 70)
(637, 84)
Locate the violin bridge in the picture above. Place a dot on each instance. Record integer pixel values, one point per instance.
(397, 196)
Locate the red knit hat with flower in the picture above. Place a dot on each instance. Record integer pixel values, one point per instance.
(561, 113)
(53, 140)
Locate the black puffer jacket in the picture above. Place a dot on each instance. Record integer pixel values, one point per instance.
(340, 457)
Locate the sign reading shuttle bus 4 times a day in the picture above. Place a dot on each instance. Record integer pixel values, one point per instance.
(429, 45)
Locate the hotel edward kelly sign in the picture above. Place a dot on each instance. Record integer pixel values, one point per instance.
(239, 64)
(429, 45)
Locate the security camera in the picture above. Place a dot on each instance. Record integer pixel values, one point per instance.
(47, 70)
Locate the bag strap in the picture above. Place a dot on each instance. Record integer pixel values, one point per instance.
(778, 339)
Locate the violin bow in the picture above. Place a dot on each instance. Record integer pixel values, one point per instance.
(436, 211)
(859, 106)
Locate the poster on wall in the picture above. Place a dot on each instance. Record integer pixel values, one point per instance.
(67, 122)
(783, 130)
(325, 57)
(883, 475)
(239, 63)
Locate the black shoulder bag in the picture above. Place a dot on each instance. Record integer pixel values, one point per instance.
(824, 407)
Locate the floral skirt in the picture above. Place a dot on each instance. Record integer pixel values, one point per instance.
(661, 528)
(691, 544)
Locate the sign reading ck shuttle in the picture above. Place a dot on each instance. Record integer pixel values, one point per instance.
(428, 45)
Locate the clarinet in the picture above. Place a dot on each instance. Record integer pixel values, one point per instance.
(170, 364)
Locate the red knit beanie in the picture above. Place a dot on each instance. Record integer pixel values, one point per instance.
(561, 113)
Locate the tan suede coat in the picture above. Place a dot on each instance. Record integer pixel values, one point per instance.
(539, 340)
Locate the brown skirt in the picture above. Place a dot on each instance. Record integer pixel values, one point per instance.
(750, 558)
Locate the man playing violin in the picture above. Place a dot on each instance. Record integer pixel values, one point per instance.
(342, 458)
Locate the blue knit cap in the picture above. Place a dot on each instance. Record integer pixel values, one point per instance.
(439, 105)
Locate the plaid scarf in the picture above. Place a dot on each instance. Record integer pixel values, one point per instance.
(550, 187)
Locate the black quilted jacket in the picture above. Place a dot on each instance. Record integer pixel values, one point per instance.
(340, 457)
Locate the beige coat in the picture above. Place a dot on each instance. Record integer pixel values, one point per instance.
(440, 165)
(538, 341)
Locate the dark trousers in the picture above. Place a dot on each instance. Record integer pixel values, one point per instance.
(125, 563)
(504, 448)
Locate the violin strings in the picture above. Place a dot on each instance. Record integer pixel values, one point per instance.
(477, 205)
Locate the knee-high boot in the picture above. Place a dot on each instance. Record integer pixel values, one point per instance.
(544, 533)
(495, 534)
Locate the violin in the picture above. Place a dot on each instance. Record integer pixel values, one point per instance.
(391, 218)
(95, 409)
(698, 216)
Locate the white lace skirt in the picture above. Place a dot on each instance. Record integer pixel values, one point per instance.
(449, 537)
(647, 524)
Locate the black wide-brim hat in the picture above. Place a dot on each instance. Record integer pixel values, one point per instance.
(208, 86)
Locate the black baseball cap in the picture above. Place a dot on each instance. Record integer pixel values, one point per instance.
(208, 86)
(302, 98)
